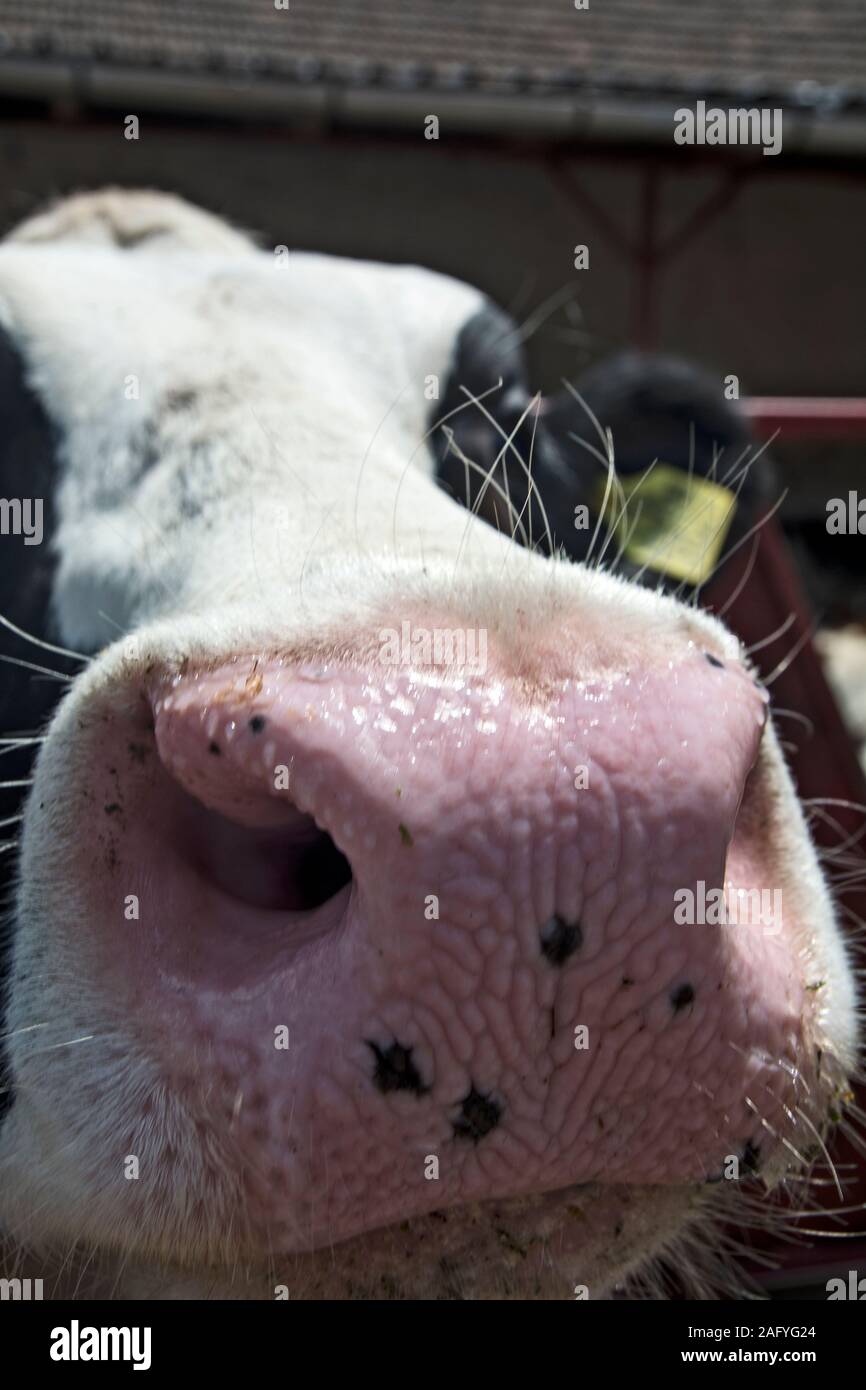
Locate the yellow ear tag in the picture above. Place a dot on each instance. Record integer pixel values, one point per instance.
(671, 522)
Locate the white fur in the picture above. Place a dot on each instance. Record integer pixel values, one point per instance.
(304, 372)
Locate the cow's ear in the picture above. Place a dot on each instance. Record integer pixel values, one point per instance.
(491, 432)
(677, 444)
(655, 406)
(688, 485)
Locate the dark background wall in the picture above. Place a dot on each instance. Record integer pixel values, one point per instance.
(772, 288)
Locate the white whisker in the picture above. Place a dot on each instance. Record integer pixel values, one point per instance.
(38, 642)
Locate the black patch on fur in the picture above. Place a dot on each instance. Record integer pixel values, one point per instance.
(395, 1069)
(681, 997)
(478, 1116)
(28, 469)
(488, 350)
(560, 939)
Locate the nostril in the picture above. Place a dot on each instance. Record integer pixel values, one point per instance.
(293, 867)
(225, 814)
(321, 871)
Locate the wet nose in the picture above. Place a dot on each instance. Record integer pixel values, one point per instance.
(594, 802)
(475, 890)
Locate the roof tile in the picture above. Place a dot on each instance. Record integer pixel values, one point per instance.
(645, 44)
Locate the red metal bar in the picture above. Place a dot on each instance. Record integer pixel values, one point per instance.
(808, 417)
(564, 176)
(729, 188)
